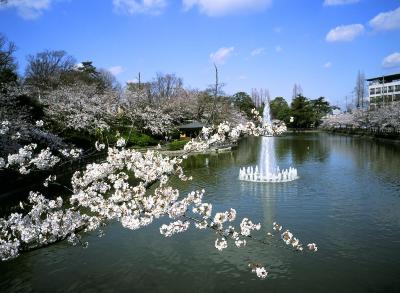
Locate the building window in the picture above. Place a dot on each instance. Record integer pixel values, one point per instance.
(377, 100)
(372, 91)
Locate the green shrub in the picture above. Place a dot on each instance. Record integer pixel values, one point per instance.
(177, 145)
(140, 139)
(86, 140)
(80, 139)
(175, 134)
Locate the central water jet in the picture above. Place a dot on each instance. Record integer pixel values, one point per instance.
(267, 170)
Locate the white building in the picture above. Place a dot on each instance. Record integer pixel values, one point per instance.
(383, 90)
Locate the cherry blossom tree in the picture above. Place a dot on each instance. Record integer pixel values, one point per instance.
(339, 120)
(387, 115)
(22, 137)
(145, 116)
(81, 107)
(19, 114)
(31, 157)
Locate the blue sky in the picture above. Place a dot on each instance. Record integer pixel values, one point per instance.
(319, 44)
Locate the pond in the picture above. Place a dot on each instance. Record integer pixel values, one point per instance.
(347, 200)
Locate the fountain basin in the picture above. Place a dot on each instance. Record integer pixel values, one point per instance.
(254, 175)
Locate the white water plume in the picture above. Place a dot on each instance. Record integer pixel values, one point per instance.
(267, 170)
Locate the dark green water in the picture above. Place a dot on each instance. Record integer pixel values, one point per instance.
(347, 200)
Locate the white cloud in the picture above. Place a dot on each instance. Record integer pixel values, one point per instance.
(278, 29)
(78, 65)
(257, 51)
(345, 33)
(223, 7)
(220, 56)
(115, 70)
(328, 65)
(386, 20)
(152, 7)
(28, 9)
(242, 77)
(393, 60)
(278, 49)
(339, 2)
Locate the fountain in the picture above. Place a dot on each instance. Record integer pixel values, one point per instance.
(267, 170)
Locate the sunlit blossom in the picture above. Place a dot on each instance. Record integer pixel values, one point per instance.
(221, 244)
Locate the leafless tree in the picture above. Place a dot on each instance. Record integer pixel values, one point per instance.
(7, 49)
(108, 80)
(360, 90)
(165, 86)
(259, 96)
(45, 69)
(297, 91)
(215, 91)
(215, 95)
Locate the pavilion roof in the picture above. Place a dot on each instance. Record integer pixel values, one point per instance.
(192, 125)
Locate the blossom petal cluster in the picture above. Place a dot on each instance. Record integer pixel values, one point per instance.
(45, 223)
(225, 133)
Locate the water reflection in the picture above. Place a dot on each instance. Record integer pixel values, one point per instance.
(301, 149)
(380, 156)
(267, 195)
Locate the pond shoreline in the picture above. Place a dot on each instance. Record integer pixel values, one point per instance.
(387, 137)
(379, 136)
